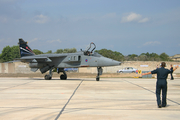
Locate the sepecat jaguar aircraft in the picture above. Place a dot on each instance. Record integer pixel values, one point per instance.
(47, 62)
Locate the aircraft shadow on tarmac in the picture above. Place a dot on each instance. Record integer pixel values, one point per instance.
(54, 79)
(70, 79)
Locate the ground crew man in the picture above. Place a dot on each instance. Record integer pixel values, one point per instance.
(172, 78)
(161, 83)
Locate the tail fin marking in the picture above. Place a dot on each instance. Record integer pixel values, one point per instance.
(25, 50)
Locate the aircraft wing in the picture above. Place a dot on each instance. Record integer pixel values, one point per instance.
(41, 58)
(35, 59)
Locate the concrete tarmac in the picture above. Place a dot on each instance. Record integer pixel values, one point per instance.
(86, 99)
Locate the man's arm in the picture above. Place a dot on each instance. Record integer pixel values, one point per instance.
(175, 68)
(151, 73)
(146, 73)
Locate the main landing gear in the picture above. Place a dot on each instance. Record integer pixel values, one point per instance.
(100, 70)
(49, 76)
(62, 76)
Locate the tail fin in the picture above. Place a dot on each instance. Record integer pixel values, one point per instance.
(25, 50)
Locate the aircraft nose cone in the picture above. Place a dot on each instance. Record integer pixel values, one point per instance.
(109, 62)
(114, 63)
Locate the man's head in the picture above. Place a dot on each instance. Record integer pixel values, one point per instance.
(163, 64)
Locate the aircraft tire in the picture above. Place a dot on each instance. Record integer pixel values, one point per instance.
(63, 77)
(97, 78)
(47, 77)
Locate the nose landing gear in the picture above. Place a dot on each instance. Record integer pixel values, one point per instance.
(100, 70)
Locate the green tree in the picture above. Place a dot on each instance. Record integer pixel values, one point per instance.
(49, 52)
(37, 52)
(133, 57)
(142, 57)
(1, 60)
(72, 50)
(59, 51)
(6, 54)
(154, 57)
(9, 53)
(111, 54)
(164, 57)
(15, 52)
(67, 50)
(149, 57)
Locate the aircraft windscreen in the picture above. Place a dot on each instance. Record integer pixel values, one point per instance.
(92, 54)
(97, 54)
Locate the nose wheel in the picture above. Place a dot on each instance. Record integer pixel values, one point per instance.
(97, 78)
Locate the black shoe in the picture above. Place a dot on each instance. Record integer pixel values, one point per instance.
(159, 106)
(163, 105)
(171, 79)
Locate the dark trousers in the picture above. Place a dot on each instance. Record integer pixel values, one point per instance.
(172, 77)
(161, 85)
(171, 73)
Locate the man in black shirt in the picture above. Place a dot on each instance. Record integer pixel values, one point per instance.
(161, 83)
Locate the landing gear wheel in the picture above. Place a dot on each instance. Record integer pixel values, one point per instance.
(47, 77)
(63, 77)
(97, 78)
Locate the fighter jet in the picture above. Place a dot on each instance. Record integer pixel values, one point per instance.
(47, 62)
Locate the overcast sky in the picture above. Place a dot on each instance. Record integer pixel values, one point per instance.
(126, 26)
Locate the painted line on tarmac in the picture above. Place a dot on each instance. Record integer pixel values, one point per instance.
(68, 101)
(151, 91)
(16, 85)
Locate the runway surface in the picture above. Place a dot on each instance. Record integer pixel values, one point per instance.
(86, 99)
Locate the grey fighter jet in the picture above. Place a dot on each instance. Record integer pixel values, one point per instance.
(47, 62)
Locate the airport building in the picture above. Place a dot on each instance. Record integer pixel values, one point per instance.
(176, 57)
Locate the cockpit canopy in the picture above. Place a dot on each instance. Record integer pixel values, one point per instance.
(89, 50)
